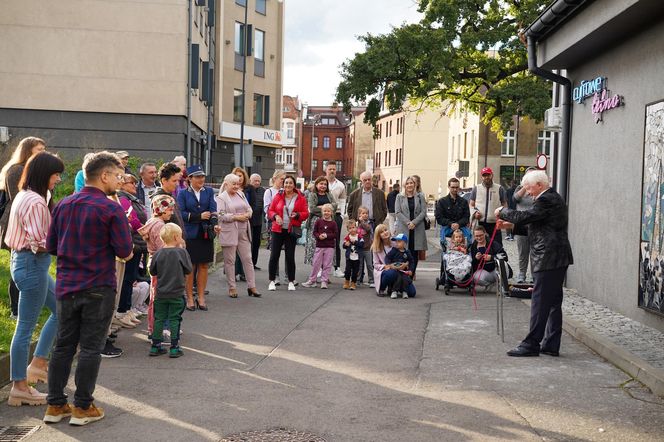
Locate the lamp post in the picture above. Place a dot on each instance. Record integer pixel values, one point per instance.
(314, 120)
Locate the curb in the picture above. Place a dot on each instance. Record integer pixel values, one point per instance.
(5, 373)
(639, 369)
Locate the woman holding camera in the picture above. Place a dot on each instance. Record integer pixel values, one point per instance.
(199, 213)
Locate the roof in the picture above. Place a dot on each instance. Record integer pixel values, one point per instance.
(554, 16)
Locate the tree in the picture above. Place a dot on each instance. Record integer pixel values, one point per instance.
(468, 53)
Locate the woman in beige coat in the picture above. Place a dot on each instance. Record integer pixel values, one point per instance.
(235, 236)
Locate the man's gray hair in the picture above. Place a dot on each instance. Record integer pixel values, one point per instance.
(366, 174)
(535, 177)
(145, 165)
(255, 175)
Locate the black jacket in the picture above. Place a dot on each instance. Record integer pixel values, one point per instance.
(547, 231)
(391, 199)
(255, 200)
(494, 250)
(449, 211)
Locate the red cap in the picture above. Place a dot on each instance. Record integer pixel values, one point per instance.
(486, 171)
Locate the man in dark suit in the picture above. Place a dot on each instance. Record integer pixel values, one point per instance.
(550, 255)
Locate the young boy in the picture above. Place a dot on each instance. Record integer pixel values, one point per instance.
(366, 257)
(169, 264)
(325, 233)
(402, 260)
(353, 243)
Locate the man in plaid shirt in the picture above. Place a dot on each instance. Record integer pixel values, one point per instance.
(87, 232)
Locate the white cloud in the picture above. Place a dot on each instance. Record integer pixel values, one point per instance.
(322, 34)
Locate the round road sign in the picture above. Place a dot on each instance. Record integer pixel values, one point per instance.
(542, 161)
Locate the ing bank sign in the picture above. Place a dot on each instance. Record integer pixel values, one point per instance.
(258, 134)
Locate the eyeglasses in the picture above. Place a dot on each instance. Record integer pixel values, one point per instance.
(454, 187)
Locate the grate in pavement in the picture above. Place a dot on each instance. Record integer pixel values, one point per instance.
(16, 433)
(273, 435)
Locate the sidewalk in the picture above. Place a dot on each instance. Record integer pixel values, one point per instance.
(631, 346)
(349, 366)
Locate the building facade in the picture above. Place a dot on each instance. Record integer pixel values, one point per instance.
(412, 142)
(288, 158)
(261, 40)
(613, 55)
(88, 76)
(473, 146)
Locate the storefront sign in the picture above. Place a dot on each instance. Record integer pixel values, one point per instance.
(588, 89)
(259, 135)
(604, 102)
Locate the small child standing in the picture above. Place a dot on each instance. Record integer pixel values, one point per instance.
(169, 264)
(325, 233)
(400, 258)
(353, 243)
(162, 210)
(366, 257)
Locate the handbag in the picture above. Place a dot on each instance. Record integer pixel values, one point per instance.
(296, 232)
(427, 223)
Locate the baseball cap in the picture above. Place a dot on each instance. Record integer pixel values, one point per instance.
(122, 154)
(195, 170)
(400, 237)
(486, 171)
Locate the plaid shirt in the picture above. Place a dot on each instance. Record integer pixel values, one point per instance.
(87, 232)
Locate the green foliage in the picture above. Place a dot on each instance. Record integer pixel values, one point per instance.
(465, 53)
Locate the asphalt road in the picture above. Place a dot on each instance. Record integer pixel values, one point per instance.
(349, 366)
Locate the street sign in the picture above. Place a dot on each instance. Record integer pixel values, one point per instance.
(542, 161)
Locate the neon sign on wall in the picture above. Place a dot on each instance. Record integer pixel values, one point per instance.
(602, 100)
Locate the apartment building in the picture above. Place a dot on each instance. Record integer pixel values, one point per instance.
(288, 158)
(259, 40)
(472, 146)
(92, 75)
(412, 142)
(361, 139)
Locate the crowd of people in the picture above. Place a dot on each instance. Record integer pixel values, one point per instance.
(133, 246)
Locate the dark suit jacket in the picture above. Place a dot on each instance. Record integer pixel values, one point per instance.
(547, 231)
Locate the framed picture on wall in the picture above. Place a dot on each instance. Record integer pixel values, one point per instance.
(651, 253)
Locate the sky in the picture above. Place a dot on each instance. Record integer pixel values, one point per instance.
(321, 35)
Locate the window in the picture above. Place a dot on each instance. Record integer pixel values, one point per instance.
(261, 7)
(314, 166)
(398, 123)
(261, 110)
(339, 164)
(340, 143)
(330, 121)
(544, 142)
(290, 130)
(508, 145)
(288, 157)
(259, 53)
(239, 46)
(237, 105)
(465, 145)
(315, 143)
(325, 163)
(326, 142)
(279, 156)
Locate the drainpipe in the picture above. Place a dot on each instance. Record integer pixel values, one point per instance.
(187, 148)
(561, 167)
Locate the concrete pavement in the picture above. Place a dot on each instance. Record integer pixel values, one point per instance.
(349, 366)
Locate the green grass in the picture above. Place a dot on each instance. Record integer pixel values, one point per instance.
(7, 325)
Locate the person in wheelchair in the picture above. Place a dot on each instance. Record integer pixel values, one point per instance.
(452, 213)
(480, 252)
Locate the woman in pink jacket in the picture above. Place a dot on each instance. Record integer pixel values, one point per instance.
(235, 237)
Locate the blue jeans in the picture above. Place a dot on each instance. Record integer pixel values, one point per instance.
(387, 278)
(36, 289)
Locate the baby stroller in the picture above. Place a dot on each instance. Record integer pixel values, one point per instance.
(456, 269)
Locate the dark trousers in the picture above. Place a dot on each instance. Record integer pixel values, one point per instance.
(130, 276)
(288, 242)
(546, 315)
(239, 270)
(490, 227)
(401, 283)
(337, 246)
(83, 320)
(167, 311)
(352, 269)
(389, 277)
(13, 297)
(255, 242)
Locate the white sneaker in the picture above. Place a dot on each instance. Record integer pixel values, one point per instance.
(295, 283)
(394, 295)
(338, 273)
(272, 287)
(372, 285)
(323, 285)
(310, 284)
(320, 272)
(404, 296)
(291, 287)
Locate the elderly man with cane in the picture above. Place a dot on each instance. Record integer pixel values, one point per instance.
(550, 255)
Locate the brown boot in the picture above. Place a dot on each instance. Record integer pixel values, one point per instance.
(346, 284)
(353, 286)
(55, 413)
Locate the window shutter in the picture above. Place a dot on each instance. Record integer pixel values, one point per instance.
(266, 110)
(195, 61)
(250, 40)
(205, 87)
(200, 2)
(211, 12)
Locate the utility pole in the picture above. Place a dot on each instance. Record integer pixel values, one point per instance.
(245, 46)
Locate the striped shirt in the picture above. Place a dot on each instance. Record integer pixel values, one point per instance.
(29, 220)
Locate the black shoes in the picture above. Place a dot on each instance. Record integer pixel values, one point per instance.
(522, 351)
(550, 352)
(257, 268)
(110, 351)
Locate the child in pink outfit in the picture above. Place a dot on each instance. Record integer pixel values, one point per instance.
(162, 210)
(325, 233)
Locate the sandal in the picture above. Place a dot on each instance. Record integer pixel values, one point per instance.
(232, 293)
